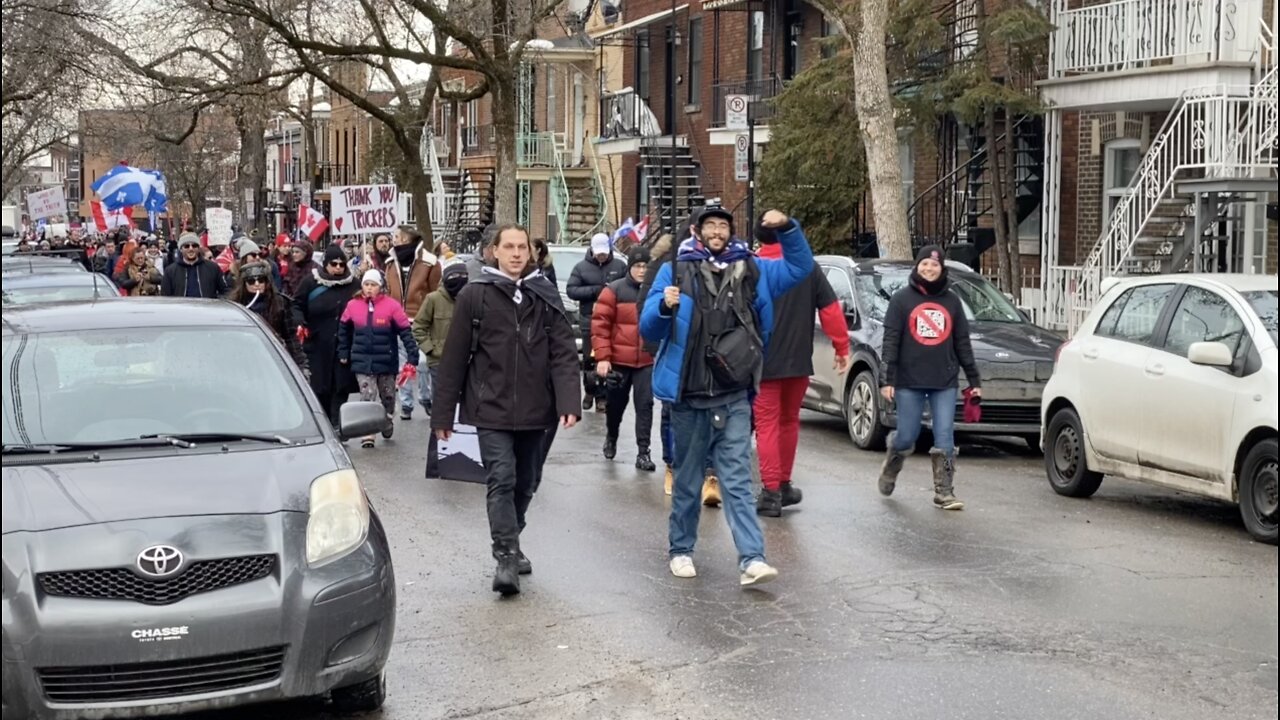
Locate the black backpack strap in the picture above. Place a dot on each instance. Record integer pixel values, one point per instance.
(475, 326)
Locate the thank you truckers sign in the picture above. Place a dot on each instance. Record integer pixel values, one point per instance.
(363, 209)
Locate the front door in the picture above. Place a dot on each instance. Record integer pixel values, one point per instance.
(1189, 407)
(579, 125)
(1115, 387)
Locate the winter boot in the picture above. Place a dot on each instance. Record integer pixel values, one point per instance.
(643, 462)
(669, 480)
(602, 406)
(389, 429)
(610, 448)
(506, 579)
(588, 401)
(944, 471)
(791, 494)
(367, 442)
(769, 504)
(711, 491)
(893, 461)
(523, 566)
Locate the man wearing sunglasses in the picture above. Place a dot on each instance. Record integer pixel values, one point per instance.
(192, 275)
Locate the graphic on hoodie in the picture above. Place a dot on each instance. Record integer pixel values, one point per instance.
(930, 324)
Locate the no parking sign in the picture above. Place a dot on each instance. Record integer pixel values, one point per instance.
(741, 158)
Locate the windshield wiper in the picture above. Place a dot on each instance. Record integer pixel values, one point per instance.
(55, 448)
(190, 439)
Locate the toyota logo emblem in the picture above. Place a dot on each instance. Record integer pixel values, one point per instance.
(159, 560)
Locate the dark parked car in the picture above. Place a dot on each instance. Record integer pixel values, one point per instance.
(1014, 356)
(57, 286)
(182, 528)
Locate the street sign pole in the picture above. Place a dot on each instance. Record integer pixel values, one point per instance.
(751, 173)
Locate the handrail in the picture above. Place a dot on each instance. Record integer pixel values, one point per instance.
(601, 200)
(559, 194)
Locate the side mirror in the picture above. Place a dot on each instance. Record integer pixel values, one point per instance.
(357, 419)
(1213, 354)
(1025, 315)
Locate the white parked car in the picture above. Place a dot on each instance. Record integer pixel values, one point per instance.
(1171, 380)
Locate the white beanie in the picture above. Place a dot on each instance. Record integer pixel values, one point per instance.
(371, 276)
(600, 244)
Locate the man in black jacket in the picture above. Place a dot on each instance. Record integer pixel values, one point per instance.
(514, 373)
(192, 276)
(584, 287)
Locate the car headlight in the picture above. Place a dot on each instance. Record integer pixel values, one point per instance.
(339, 518)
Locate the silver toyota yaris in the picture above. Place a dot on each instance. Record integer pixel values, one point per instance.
(182, 529)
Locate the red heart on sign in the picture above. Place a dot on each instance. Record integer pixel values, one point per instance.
(337, 223)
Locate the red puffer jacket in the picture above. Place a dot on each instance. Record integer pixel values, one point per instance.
(615, 326)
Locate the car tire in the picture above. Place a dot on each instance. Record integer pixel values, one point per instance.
(862, 412)
(1065, 461)
(1257, 491)
(362, 697)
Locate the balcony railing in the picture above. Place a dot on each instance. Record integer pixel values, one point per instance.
(761, 90)
(478, 140)
(1128, 34)
(330, 174)
(537, 149)
(624, 114)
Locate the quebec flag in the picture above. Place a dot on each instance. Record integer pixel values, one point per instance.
(124, 185)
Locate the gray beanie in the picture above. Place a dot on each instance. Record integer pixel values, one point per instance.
(248, 247)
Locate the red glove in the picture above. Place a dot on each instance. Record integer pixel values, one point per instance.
(407, 373)
(303, 333)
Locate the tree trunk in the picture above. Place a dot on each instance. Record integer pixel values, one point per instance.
(1011, 208)
(504, 128)
(410, 143)
(875, 116)
(998, 216)
(251, 180)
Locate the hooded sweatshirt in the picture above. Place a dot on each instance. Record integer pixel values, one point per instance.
(926, 335)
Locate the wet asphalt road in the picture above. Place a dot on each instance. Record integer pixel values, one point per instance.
(1139, 603)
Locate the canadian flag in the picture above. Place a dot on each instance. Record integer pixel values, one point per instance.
(311, 223)
(104, 220)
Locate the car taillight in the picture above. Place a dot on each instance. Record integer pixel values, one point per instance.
(1058, 355)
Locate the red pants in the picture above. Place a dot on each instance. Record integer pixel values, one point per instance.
(777, 416)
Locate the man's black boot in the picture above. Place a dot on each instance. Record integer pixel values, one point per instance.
(644, 462)
(791, 494)
(587, 401)
(506, 579)
(769, 504)
(523, 566)
(610, 448)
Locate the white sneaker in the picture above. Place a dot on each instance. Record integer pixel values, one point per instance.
(757, 572)
(682, 567)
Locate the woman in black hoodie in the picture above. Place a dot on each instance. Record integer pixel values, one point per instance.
(926, 343)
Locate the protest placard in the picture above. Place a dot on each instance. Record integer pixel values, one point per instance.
(362, 209)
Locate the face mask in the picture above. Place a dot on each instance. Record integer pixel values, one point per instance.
(455, 283)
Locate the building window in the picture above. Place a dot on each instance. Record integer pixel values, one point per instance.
(755, 54)
(642, 64)
(792, 59)
(470, 131)
(829, 48)
(907, 166)
(642, 192)
(1120, 164)
(694, 80)
(551, 98)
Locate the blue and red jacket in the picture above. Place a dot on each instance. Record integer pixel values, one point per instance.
(367, 333)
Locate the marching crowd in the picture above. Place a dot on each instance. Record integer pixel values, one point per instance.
(720, 334)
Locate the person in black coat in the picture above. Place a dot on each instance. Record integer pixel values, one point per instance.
(587, 281)
(319, 304)
(255, 291)
(192, 275)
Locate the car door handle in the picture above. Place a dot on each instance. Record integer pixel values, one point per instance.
(1090, 354)
(1155, 369)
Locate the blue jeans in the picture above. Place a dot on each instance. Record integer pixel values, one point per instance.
(942, 408)
(729, 450)
(669, 442)
(406, 392)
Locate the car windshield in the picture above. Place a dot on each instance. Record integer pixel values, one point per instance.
(92, 386)
(565, 260)
(54, 293)
(982, 301)
(1264, 303)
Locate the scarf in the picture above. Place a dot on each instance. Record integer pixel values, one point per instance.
(324, 278)
(692, 250)
(518, 294)
(937, 287)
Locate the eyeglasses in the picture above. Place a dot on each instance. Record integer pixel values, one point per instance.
(251, 256)
(190, 245)
(337, 264)
(255, 281)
